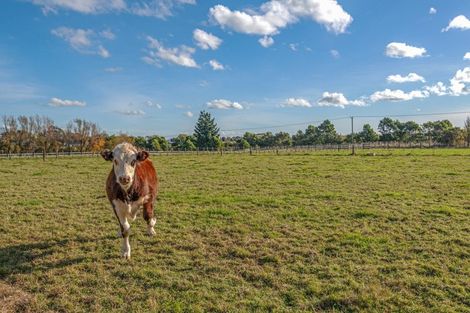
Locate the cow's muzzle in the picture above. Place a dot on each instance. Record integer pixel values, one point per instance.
(124, 180)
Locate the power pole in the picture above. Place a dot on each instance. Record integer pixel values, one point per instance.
(352, 135)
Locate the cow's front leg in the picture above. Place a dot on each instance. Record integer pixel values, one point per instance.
(122, 211)
(149, 218)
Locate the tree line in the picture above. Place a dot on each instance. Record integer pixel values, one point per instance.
(39, 134)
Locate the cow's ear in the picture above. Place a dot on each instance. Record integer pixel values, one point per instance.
(107, 155)
(142, 155)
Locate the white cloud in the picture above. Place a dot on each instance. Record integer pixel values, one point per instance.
(328, 99)
(103, 52)
(205, 40)
(335, 54)
(459, 83)
(153, 105)
(216, 66)
(325, 12)
(113, 69)
(266, 41)
(157, 8)
(466, 56)
(402, 50)
(85, 41)
(189, 114)
(77, 38)
(224, 104)
(333, 99)
(56, 102)
(85, 6)
(398, 95)
(411, 77)
(275, 15)
(108, 34)
(131, 112)
(297, 102)
(181, 55)
(432, 10)
(459, 22)
(337, 99)
(439, 89)
(294, 46)
(153, 8)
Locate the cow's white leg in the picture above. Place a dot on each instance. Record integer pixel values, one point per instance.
(136, 206)
(148, 216)
(126, 248)
(150, 225)
(122, 211)
(134, 211)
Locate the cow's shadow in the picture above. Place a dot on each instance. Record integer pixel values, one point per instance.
(28, 258)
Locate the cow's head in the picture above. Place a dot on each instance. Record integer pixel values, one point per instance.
(125, 158)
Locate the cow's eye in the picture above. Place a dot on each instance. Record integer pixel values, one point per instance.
(133, 162)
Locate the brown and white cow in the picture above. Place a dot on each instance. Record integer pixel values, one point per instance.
(131, 184)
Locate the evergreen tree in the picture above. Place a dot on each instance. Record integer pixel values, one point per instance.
(206, 132)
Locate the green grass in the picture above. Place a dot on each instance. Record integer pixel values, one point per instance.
(319, 232)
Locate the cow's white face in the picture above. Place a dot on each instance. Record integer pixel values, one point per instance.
(125, 158)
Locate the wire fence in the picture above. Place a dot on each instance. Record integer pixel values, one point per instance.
(258, 150)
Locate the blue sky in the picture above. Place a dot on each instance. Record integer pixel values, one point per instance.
(149, 66)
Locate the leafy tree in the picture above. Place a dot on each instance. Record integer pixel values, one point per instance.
(164, 144)
(387, 129)
(219, 144)
(408, 131)
(98, 144)
(311, 135)
(206, 132)
(251, 138)
(282, 139)
(9, 133)
(327, 133)
(45, 131)
(298, 139)
(368, 134)
(114, 140)
(140, 142)
(266, 139)
(158, 143)
(453, 136)
(183, 143)
(438, 131)
(467, 131)
(244, 144)
(25, 134)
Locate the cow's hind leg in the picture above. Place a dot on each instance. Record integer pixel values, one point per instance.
(149, 218)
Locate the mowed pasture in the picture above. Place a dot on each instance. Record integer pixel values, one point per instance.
(317, 232)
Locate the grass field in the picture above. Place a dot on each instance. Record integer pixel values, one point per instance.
(302, 232)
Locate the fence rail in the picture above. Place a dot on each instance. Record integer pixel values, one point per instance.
(257, 150)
